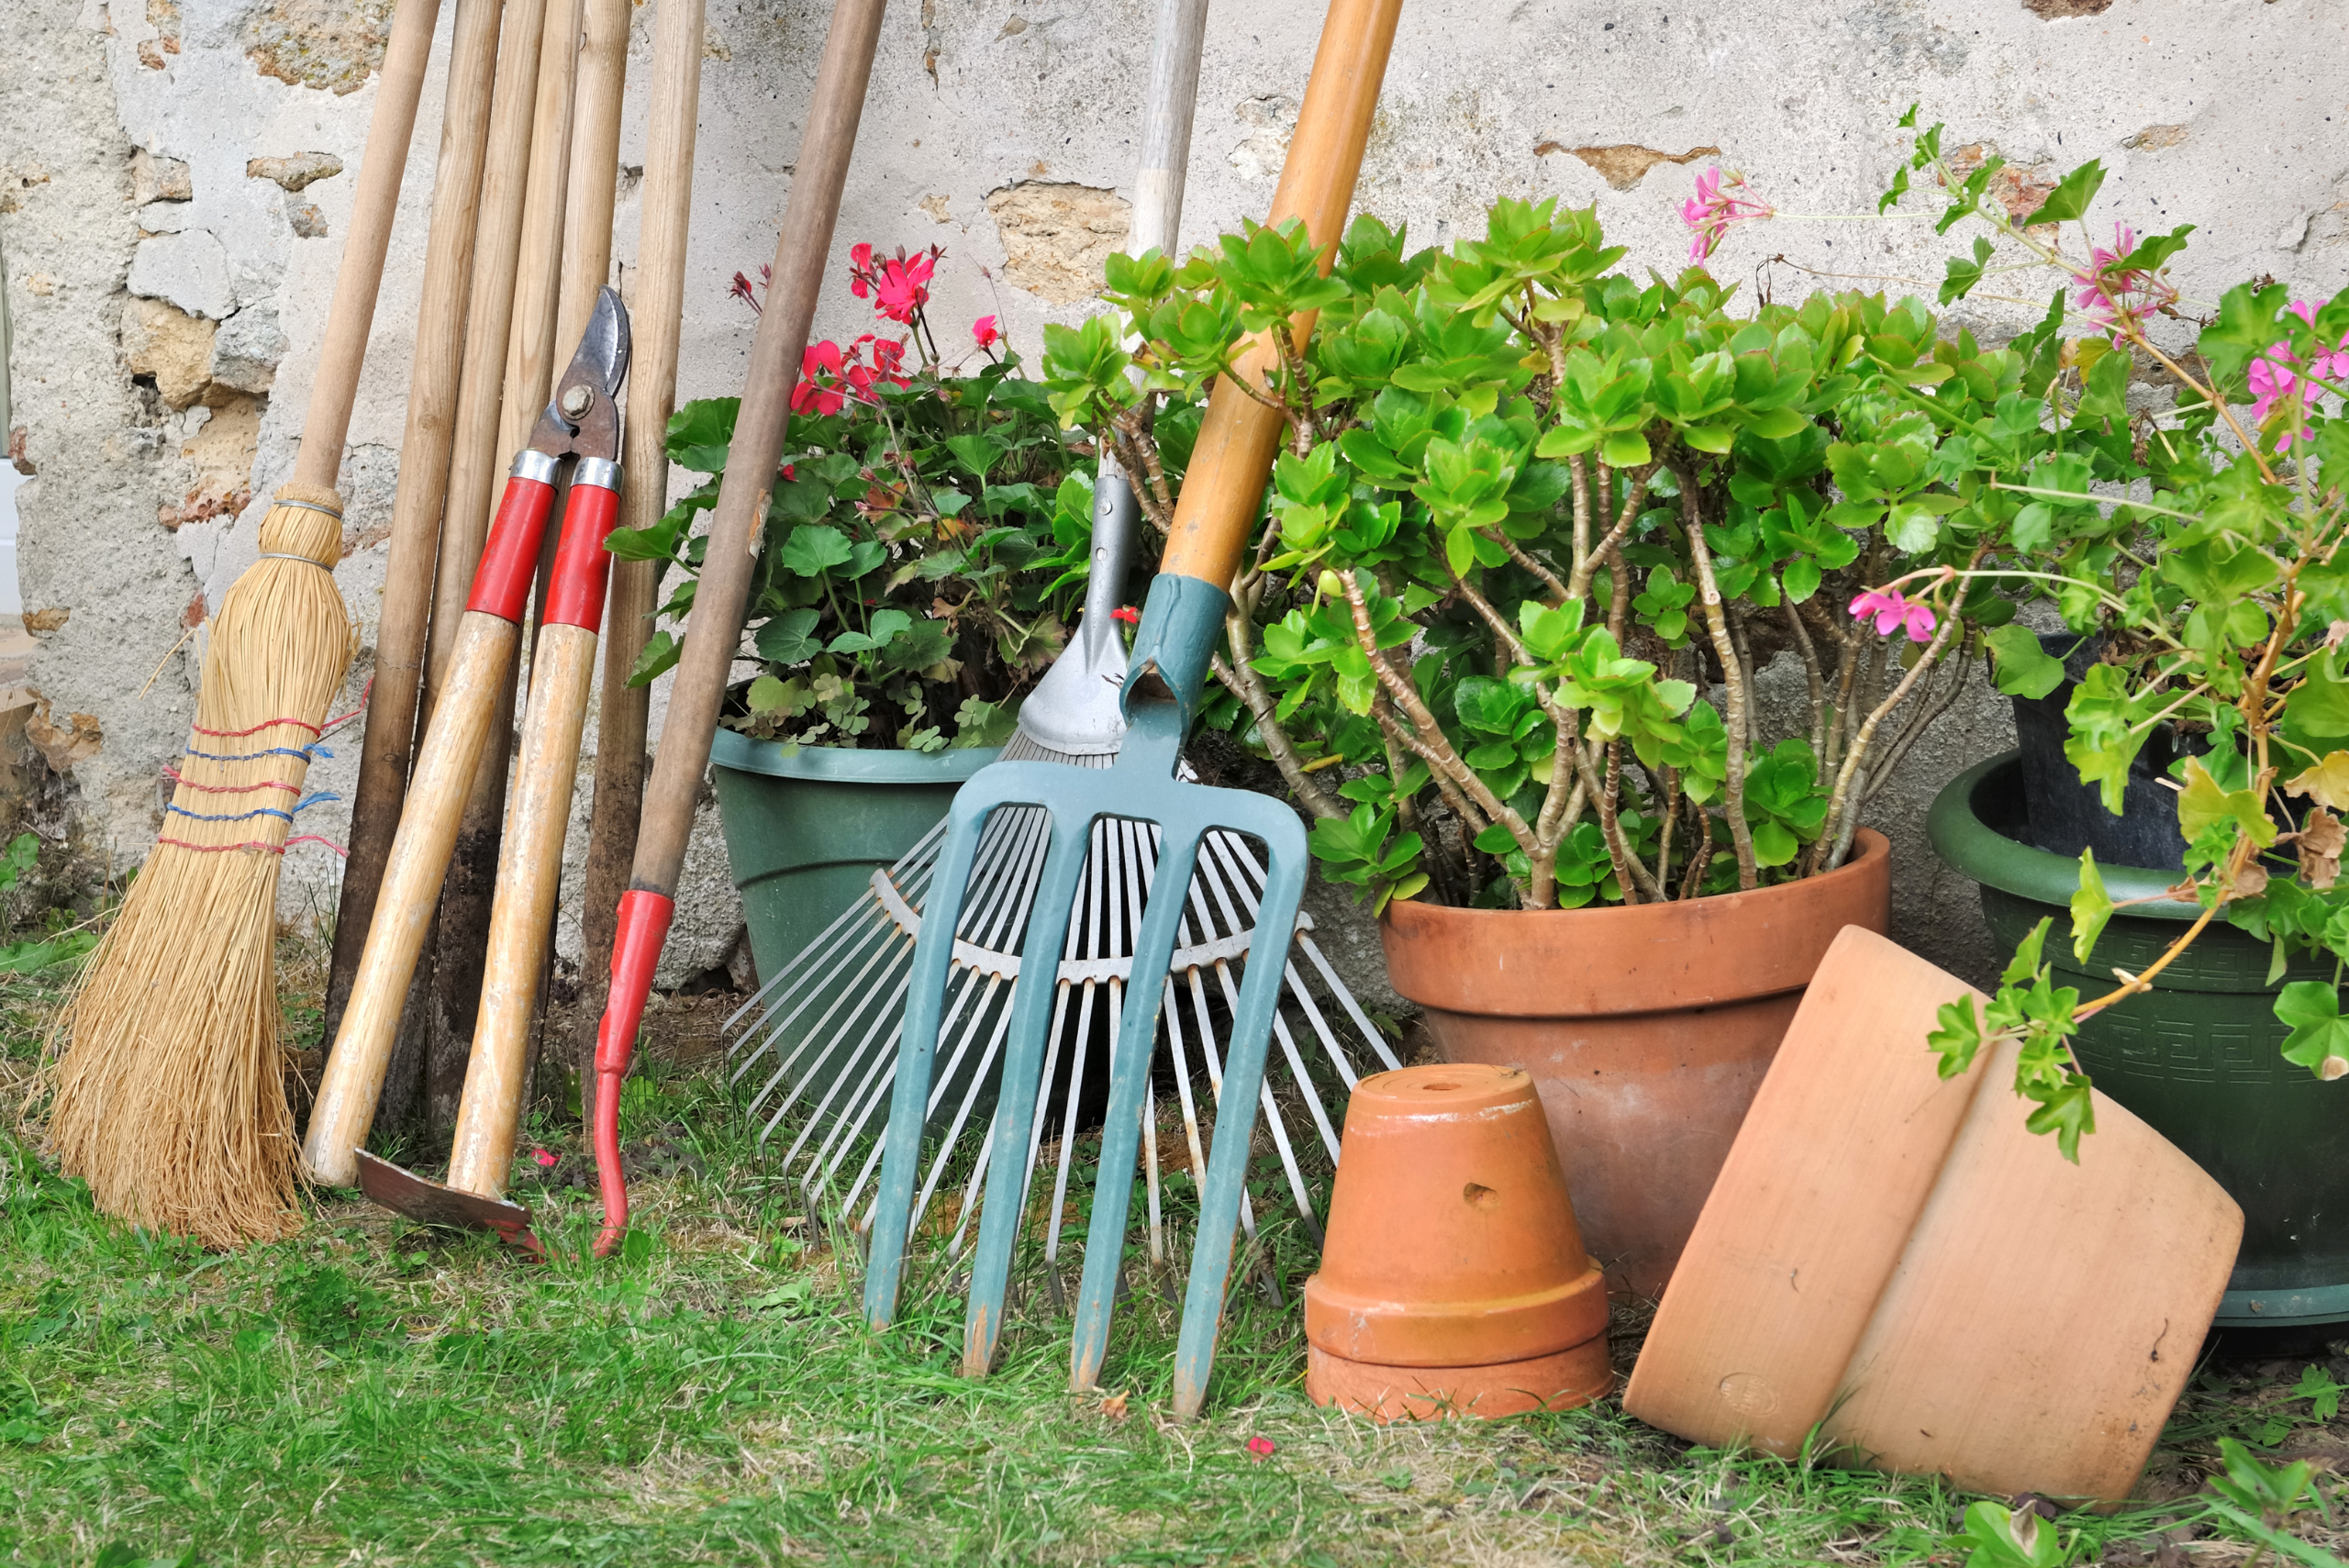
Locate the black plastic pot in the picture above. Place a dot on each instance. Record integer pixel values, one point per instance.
(2199, 1057)
(2063, 816)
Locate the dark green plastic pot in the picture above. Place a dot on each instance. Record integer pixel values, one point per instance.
(2199, 1057)
(805, 829)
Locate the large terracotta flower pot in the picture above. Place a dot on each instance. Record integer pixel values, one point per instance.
(1453, 1279)
(1893, 1271)
(1647, 1029)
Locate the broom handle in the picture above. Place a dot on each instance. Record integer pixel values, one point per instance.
(803, 251)
(624, 712)
(1166, 126)
(389, 743)
(369, 236)
(1224, 482)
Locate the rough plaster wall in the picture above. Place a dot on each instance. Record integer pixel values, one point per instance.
(989, 116)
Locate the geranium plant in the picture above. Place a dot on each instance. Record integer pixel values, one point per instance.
(2200, 544)
(929, 525)
(1536, 530)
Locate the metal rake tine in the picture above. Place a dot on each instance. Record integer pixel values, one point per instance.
(809, 987)
(811, 950)
(1031, 1000)
(856, 990)
(1276, 827)
(1257, 951)
(1100, 919)
(1346, 999)
(901, 1144)
(1113, 1180)
(835, 1148)
(962, 1115)
(858, 1054)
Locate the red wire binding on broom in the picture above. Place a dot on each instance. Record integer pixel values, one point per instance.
(264, 723)
(317, 730)
(257, 844)
(177, 777)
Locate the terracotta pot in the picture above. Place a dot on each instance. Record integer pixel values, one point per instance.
(1454, 1278)
(1897, 1260)
(1647, 1029)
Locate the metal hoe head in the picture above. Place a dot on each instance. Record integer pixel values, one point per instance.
(1142, 787)
(431, 1202)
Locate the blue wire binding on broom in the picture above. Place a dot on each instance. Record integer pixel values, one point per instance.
(307, 801)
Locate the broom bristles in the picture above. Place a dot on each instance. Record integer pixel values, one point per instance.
(169, 1085)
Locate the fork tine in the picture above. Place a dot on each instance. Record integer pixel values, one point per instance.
(1015, 1092)
(1113, 1181)
(1251, 1027)
(917, 1044)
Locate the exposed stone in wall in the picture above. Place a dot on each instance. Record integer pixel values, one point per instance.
(173, 347)
(1057, 236)
(294, 174)
(190, 270)
(154, 179)
(333, 44)
(1621, 165)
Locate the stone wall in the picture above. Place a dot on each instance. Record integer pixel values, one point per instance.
(174, 176)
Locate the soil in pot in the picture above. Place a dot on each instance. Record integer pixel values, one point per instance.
(1647, 1030)
(2199, 1057)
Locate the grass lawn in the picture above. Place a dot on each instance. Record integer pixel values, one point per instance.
(373, 1392)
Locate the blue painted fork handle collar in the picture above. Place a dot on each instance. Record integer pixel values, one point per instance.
(1181, 622)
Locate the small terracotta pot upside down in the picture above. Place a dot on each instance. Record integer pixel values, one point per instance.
(1453, 1280)
(1647, 1029)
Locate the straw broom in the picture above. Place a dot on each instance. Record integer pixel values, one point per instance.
(170, 1100)
(168, 1087)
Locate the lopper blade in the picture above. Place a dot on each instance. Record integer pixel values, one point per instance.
(582, 417)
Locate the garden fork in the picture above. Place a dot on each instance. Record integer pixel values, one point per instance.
(1181, 621)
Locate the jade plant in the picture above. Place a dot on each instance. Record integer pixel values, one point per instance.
(2199, 543)
(924, 539)
(1536, 530)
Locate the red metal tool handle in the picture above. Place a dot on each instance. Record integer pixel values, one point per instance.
(510, 560)
(636, 953)
(582, 566)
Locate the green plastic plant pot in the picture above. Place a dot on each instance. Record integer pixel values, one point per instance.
(806, 829)
(2199, 1057)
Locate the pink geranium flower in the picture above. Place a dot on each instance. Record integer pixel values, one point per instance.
(1894, 613)
(985, 332)
(1714, 209)
(814, 395)
(2112, 295)
(2276, 375)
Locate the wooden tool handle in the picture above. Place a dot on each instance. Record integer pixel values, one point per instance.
(529, 873)
(802, 254)
(1240, 436)
(497, 244)
(427, 835)
(480, 670)
(390, 737)
(624, 711)
(594, 184)
(1166, 126)
(532, 353)
(365, 240)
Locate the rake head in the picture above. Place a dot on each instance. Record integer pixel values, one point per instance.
(1141, 786)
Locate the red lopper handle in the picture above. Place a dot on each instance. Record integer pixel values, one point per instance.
(582, 566)
(510, 560)
(636, 953)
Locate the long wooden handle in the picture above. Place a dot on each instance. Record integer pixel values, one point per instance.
(479, 669)
(402, 626)
(532, 353)
(366, 236)
(594, 184)
(1166, 126)
(529, 874)
(801, 257)
(1240, 436)
(497, 245)
(624, 711)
